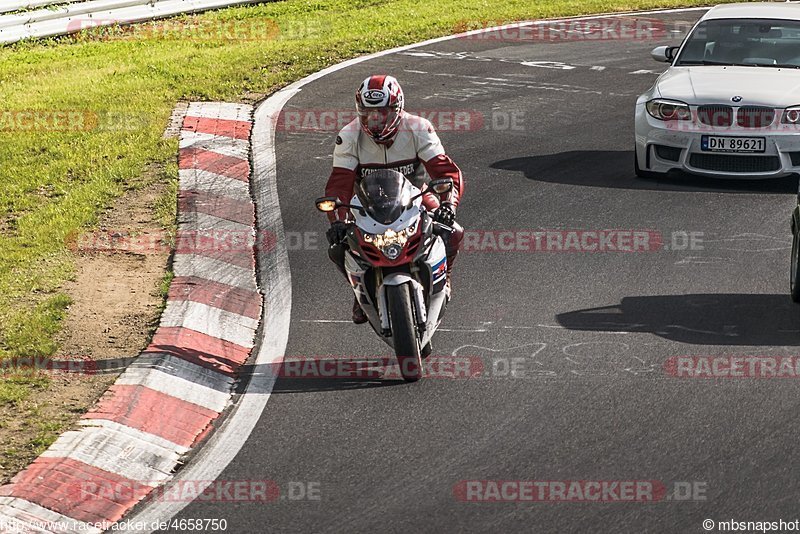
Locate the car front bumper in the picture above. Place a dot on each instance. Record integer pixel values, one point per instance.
(662, 147)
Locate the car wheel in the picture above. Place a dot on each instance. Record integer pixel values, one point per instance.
(794, 275)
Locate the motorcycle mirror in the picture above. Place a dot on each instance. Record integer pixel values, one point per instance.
(442, 186)
(328, 204)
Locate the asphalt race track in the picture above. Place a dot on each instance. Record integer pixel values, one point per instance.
(588, 333)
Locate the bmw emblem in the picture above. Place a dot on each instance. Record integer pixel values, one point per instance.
(737, 99)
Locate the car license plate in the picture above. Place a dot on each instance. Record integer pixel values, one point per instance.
(715, 143)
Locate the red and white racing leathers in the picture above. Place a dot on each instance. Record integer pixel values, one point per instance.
(415, 151)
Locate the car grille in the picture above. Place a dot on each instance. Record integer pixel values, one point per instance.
(715, 115)
(746, 116)
(755, 117)
(740, 164)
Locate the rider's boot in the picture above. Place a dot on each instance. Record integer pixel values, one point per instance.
(359, 317)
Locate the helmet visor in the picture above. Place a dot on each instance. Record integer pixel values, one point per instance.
(377, 121)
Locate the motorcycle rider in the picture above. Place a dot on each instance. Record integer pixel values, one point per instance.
(385, 136)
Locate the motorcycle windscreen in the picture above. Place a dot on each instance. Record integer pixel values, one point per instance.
(384, 195)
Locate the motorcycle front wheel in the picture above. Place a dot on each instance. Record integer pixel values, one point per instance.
(404, 333)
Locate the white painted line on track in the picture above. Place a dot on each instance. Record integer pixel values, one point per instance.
(324, 321)
(548, 65)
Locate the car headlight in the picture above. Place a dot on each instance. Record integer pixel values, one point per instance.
(791, 115)
(669, 110)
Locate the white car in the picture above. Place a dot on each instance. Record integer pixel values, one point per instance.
(729, 104)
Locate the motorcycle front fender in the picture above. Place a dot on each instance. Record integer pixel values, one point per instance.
(417, 293)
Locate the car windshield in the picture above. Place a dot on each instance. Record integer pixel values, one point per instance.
(746, 42)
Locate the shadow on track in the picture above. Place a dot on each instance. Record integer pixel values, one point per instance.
(312, 376)
(304, 385)
(700, 319)
(614, 169)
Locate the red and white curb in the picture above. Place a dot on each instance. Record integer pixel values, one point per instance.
(165, 401)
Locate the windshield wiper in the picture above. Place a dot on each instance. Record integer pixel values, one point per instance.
(707, 62)
(775, 65)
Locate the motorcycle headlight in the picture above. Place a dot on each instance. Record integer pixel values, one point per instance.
(669, 110)
(391, 243)
(392, 251)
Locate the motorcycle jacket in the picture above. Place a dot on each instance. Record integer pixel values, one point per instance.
(415, 151)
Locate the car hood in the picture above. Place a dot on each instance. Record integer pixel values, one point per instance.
(718, 85)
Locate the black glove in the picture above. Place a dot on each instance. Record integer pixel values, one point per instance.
(445, 214)
(336, 233)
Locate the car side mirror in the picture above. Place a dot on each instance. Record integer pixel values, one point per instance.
(664, 54)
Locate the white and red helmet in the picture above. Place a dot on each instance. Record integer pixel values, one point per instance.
(379, 103)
